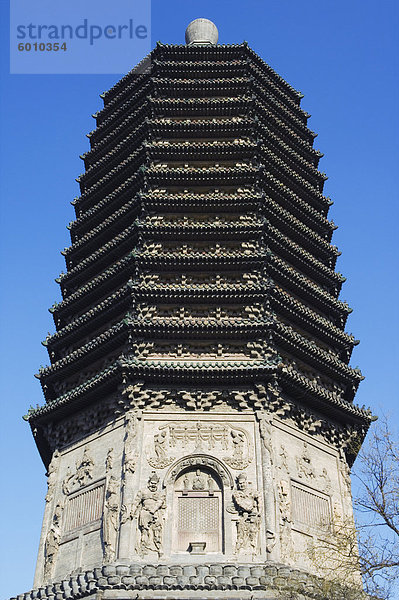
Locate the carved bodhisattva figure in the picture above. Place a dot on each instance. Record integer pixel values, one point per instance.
(238, 439)
(162, 459)
(247, 504)
(110, 519)
(130, 453)
(84, 468)
(265, 429)
(285, 520)
(346, 477)
(304, 464)
(52, 542)
(109, 460)
(52, 475)
(198, 481)
(149, 506)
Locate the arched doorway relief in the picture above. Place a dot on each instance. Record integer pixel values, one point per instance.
(198, 488)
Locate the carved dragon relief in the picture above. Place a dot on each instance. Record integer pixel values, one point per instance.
(230, 442)
(79, 481)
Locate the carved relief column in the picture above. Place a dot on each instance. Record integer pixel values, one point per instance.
(267, 457)
(129, 463)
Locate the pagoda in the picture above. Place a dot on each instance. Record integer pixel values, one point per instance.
(199, 422)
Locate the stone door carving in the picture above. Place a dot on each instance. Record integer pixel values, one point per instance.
(198, 512)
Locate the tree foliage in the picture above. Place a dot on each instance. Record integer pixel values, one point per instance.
(376, 501)
(365, 555)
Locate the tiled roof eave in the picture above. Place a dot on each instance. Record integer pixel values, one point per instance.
(321, 398)
(314, 292)
(94, 234)
(316, 356)
(94, 260)
(67, 332)
(117, 269)
(83, 393)
(320, 325)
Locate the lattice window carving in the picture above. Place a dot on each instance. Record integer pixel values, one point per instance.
(84, 507)
(310, 508)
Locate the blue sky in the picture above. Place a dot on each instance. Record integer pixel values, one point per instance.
(343, 55)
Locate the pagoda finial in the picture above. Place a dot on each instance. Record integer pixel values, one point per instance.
(201, 32)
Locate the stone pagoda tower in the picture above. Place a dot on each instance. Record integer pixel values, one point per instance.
(199, 425)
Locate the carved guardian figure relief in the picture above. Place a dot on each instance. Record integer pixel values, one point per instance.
(247, 503)
(148, 507)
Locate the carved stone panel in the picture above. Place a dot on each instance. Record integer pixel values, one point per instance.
(308, 472)
(230, 442)
(82, 475)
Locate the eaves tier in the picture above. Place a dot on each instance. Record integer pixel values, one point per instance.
(201, 252)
